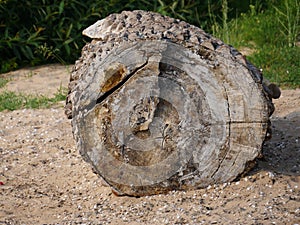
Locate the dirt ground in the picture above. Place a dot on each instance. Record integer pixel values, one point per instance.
(43, 179)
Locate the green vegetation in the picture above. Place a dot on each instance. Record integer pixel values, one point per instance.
(12, 101)
(42, 31)
(273, 34)
(3, 82)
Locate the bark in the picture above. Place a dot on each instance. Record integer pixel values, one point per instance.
(158, 104)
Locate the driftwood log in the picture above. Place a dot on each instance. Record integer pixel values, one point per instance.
(158, 104)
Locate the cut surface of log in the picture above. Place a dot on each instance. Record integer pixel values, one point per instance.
(158, 104)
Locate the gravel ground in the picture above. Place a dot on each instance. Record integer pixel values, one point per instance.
(43, 179)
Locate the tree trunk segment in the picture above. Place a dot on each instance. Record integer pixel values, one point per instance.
(158, 104)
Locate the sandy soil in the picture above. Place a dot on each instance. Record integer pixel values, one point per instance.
(43, 179)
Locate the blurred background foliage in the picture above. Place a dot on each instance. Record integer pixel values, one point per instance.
(36, 32)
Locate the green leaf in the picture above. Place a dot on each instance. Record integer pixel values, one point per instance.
(68, 41)
(61, 7)
(69, 30)
(68, 49)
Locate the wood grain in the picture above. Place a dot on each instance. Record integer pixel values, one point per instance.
(158, 104)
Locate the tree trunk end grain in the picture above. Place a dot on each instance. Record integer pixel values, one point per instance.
(158, 104)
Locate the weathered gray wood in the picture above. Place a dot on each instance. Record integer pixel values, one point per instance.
(158, 104)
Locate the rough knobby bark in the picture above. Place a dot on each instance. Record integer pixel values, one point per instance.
(158, 104)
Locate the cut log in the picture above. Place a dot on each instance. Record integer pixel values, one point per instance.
(158, 104)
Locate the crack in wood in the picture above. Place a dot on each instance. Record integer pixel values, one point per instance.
(113, 89)
(229, 126)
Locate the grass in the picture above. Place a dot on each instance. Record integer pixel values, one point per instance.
(12, 101)
(288, 16)
(273, 34)
(3, 82)
(280, 65)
